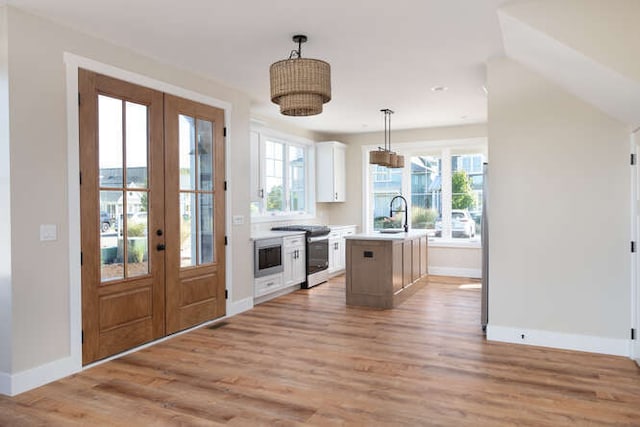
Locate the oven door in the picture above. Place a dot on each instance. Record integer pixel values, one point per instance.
(268, 257)
(317, 254)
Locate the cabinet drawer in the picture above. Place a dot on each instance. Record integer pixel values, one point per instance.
(265, 285)
(293, 241)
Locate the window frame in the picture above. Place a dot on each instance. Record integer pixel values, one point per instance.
(439, 148)
(258, 153)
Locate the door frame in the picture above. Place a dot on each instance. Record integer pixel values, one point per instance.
(72, 64)
(634, 345)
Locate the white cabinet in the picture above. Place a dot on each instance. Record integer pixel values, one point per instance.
(336, 255)
(337, 248)
(294, 271)
(331, 174)
(294, 260)
(267, 284)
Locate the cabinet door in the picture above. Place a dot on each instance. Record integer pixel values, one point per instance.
(333, 254)
(299, 273)
(407, 262)
(339, 174)
(288, 260)
(330, 169)
(340, 256)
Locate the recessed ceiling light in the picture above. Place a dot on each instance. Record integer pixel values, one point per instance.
(439, 88)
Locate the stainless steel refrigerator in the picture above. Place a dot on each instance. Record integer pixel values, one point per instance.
(484, 312)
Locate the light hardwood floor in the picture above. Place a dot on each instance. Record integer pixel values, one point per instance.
(307, 359)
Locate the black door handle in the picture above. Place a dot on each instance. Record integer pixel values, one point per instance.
(161, 247)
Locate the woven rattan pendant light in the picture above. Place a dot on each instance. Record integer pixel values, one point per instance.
(300, 86)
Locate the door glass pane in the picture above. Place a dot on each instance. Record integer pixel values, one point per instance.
(111, 266)
(137, 226)
(205, 154)
(187, 229)
(205, 239)
(110, 141)
(136, 145)
(187, 152)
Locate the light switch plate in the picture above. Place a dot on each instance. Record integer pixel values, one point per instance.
(48, 232)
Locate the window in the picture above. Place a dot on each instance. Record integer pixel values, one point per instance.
(281, 176)
(386, 184)
(426, 191)
(442, 185)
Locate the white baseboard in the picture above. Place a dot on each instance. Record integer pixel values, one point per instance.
(237, 307)
(635, 350)
(591, 344)
(5, 384)
(474, 273)
(20, 382)
(17, 383)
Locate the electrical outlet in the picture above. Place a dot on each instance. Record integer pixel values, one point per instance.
(238, 219)
(48, 232)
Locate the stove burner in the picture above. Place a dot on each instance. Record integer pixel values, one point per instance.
(311, 230)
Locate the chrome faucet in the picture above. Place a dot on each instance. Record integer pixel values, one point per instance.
(405, 210)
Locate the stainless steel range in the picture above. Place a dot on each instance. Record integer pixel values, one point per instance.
(317, 251)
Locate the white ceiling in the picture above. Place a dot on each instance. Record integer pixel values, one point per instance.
(384, 54)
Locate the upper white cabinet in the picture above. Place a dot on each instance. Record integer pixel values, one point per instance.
(331, 176)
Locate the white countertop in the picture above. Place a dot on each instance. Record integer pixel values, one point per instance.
(376, 235)
(338, 227)
(271, 234)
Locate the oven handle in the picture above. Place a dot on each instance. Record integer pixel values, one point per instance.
(318, 238)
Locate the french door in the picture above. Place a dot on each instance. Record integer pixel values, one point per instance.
(152, 214)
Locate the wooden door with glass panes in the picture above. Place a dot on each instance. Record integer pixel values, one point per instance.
(122, 215)
(194, 169)
(152, 214)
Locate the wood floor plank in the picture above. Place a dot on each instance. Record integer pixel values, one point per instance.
(309, 359)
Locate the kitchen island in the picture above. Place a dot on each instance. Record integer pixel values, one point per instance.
(384, 269)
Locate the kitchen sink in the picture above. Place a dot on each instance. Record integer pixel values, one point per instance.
(391, 230)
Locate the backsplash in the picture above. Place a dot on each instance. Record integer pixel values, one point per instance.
(321, 218)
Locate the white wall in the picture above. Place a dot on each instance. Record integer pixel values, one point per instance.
(5, 194)
(458, 260)
(41, 322)
(559, 196)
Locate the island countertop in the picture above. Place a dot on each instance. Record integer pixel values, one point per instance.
(376, 235)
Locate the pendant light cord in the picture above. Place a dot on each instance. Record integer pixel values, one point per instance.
(387, 128)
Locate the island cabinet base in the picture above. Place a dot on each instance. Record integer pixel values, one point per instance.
(383, 273)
